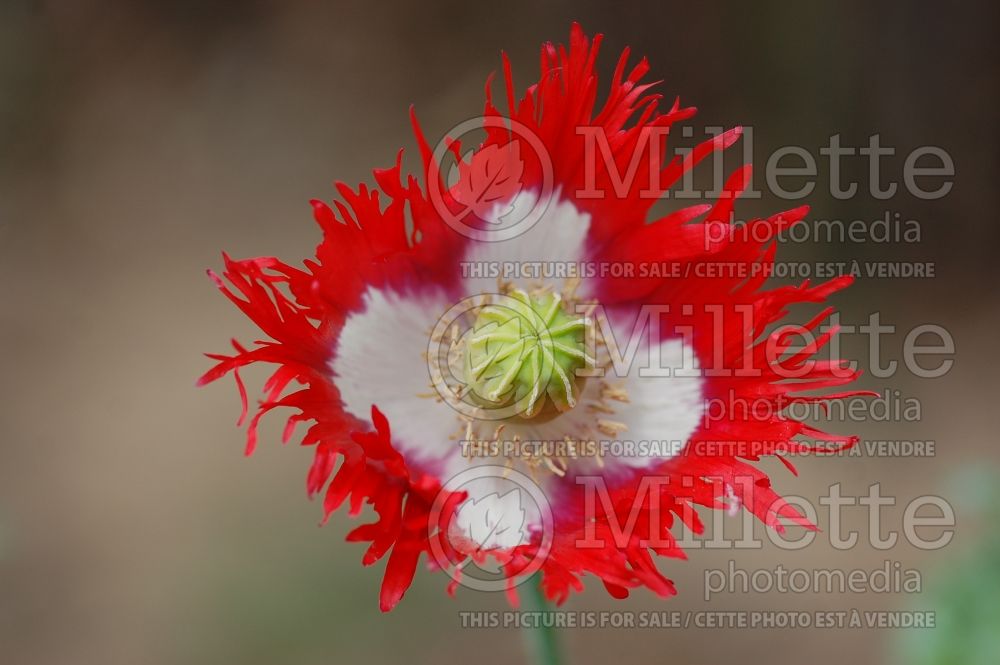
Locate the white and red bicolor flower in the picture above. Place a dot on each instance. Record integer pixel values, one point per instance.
(353, 332)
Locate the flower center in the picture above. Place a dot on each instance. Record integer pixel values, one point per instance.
(510, 362)
(527, 350)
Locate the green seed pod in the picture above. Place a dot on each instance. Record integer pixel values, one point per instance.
(526, 350)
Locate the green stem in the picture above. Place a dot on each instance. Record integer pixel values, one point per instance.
(541, 641)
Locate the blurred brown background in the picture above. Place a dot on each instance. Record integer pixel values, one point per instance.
(138, 140)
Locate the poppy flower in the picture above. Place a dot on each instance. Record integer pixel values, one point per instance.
(410, 352)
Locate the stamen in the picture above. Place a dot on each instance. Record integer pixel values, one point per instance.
(617, 393)
(611, 427)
